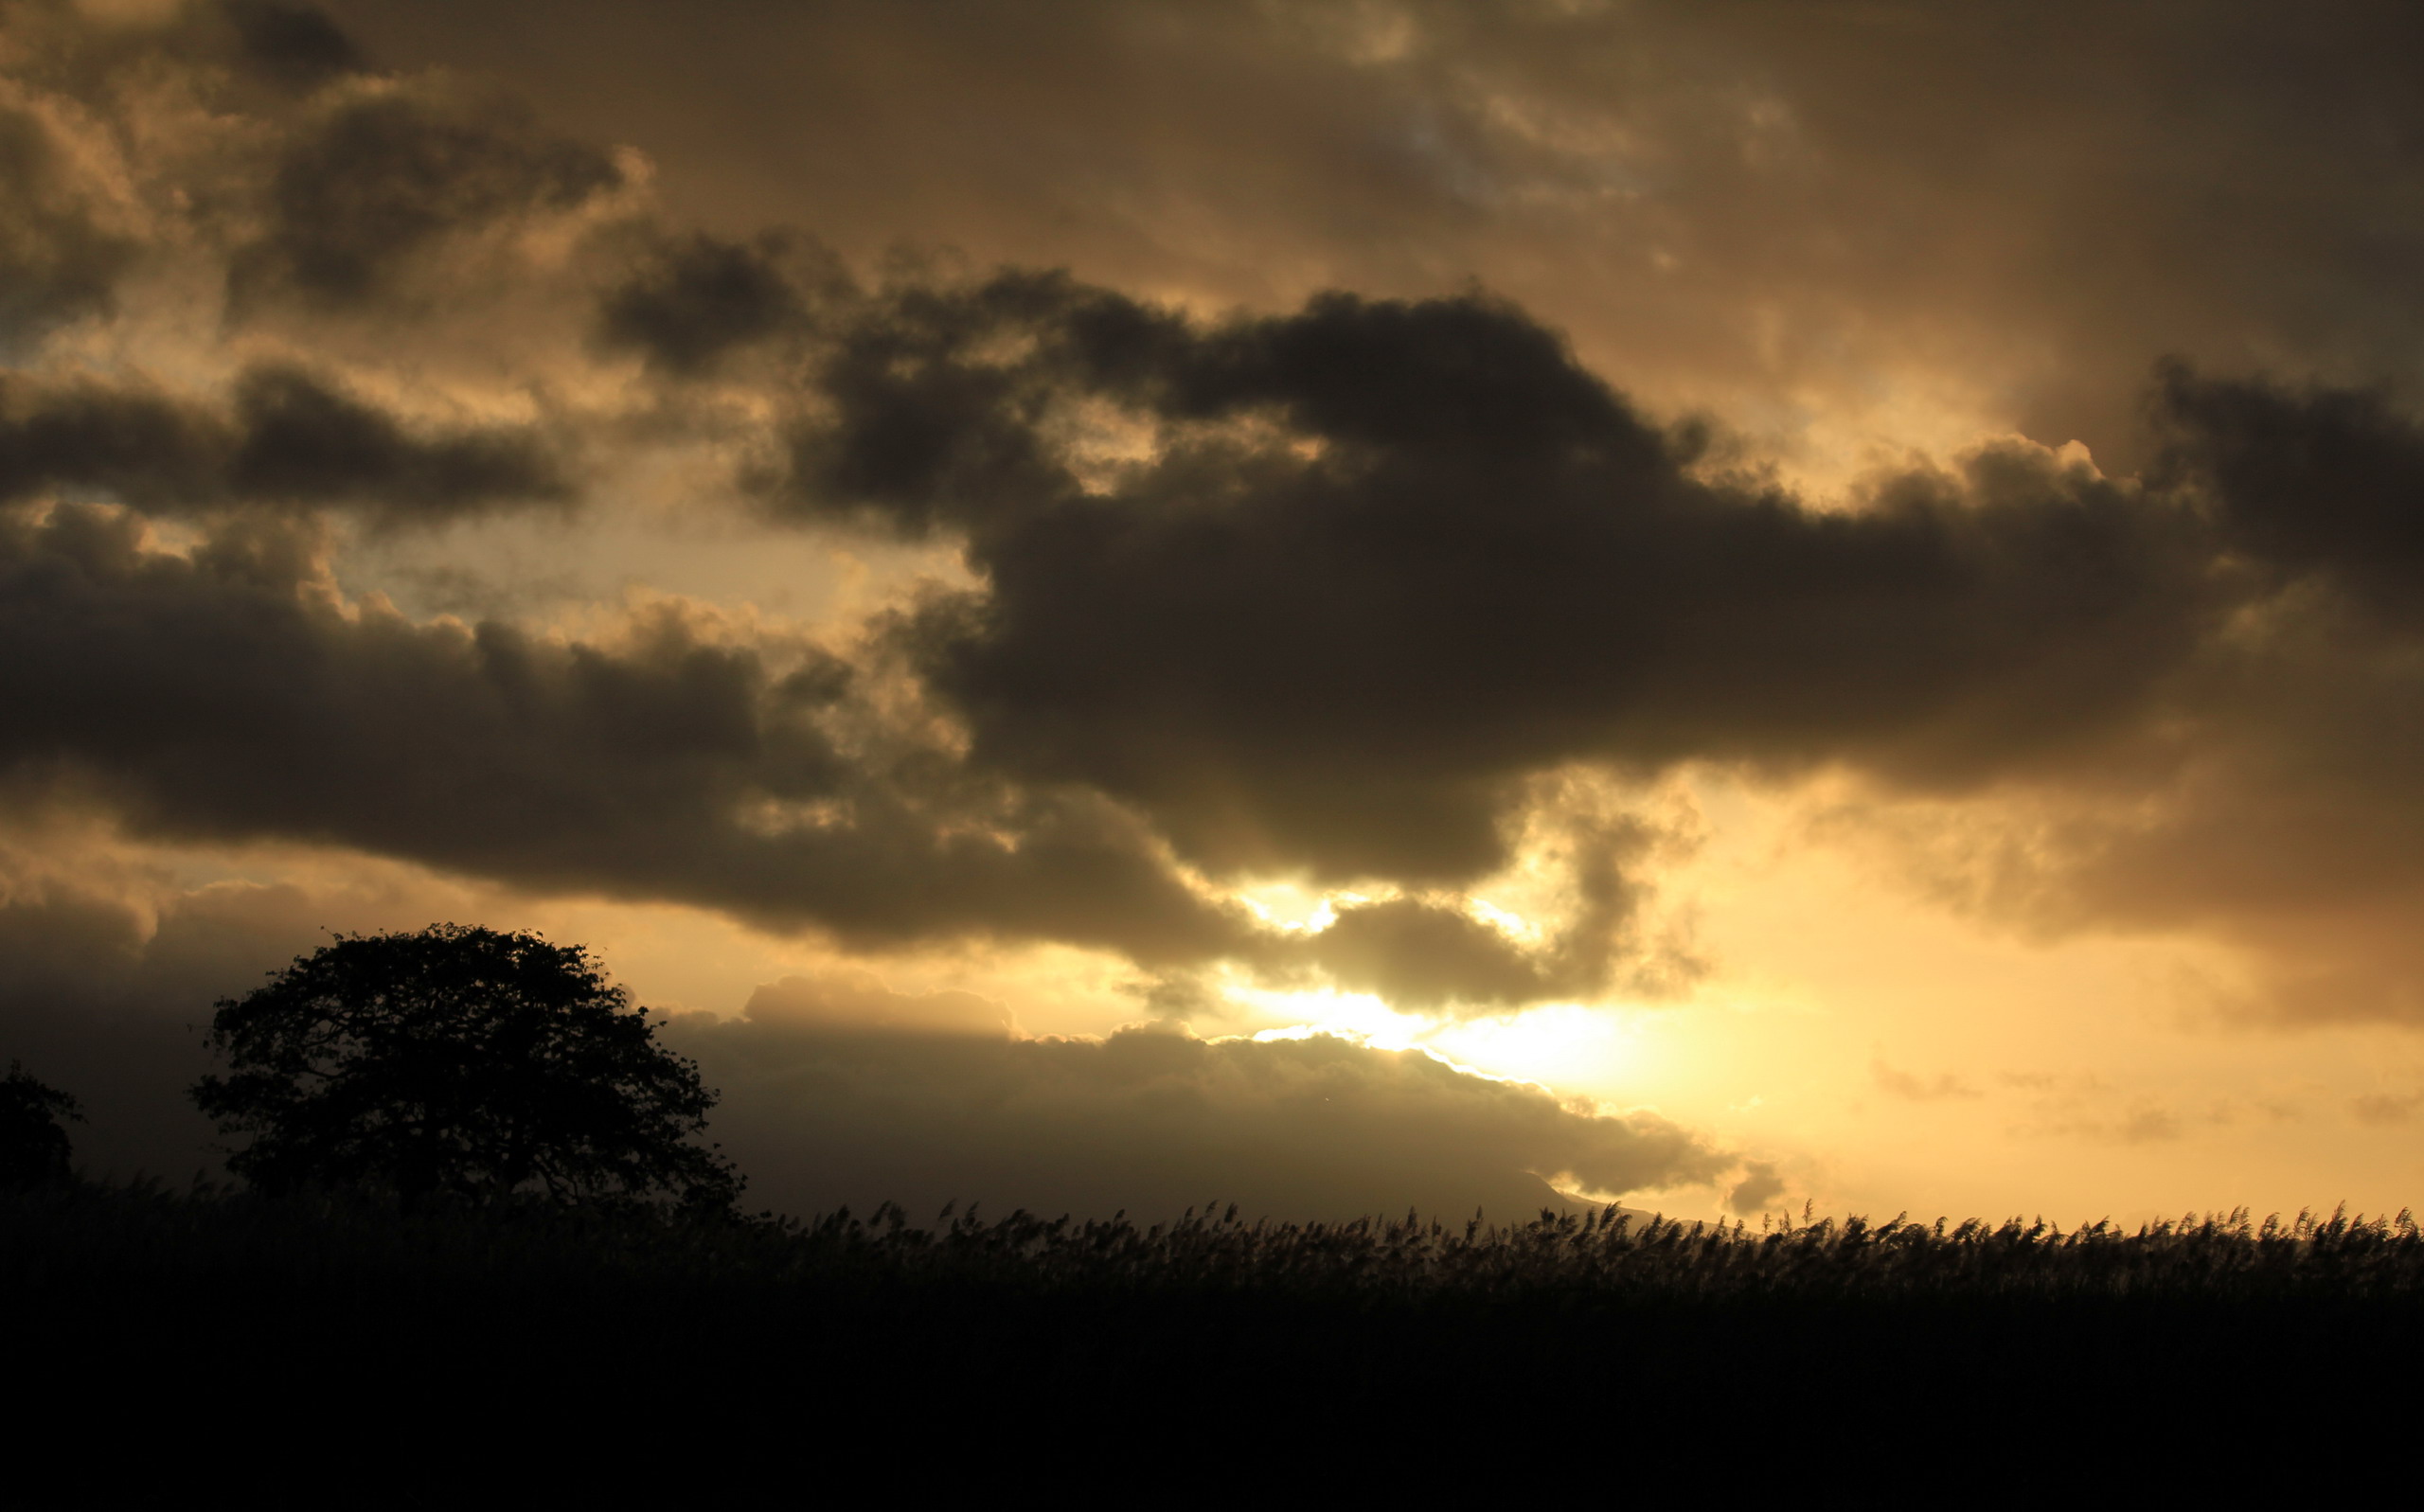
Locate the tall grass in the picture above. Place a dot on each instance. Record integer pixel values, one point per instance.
(72, 1235)
(638, 1341)
(1611, 1253)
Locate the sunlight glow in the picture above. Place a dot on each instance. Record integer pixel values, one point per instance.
(1571, 1049)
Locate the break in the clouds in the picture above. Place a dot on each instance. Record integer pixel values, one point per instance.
(1387, 493)
(839, 1091)
(912, 1101)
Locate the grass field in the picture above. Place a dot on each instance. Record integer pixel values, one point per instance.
(636, 1346)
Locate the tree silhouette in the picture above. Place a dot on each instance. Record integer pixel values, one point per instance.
(463, 1062)
(33, 1145)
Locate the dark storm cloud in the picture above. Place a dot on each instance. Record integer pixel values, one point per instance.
(1322, 593)
(249, 142)
(289, 439)
(1375, 564)
(2310, 480)
(291, 48)
(307, 442)
(1153, 1122)
(227, 694)
(137, 445)
(358, 193)
(1771, 206)
(698, 299)
(1449, 556)
(923, 432)
(295, 45)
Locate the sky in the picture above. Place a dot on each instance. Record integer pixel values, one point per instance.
(1335, 606)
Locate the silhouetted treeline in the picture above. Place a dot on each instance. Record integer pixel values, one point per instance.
(643, 1342)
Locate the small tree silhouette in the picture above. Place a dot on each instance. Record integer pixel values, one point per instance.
(33, 1145)
(458, 1061)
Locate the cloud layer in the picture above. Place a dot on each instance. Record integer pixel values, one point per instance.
(837, 1089)
(926, 1109)
(1332, 592)
(1829, 221)
(1391, 495)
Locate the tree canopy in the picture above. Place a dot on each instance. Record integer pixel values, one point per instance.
(33, 1141)
(462, 1062)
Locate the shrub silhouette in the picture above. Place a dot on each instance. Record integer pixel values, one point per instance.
(33, 1145)
(458, 1062)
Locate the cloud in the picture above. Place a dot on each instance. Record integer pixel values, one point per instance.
(2087, 1107)
(860, 1001)
(699, 298)
(837, 1089)
(2382, 1110)
(1424, 955)
(295, 45)
(1912, 1088)
(821, 1115)
(1389, 559)
(1324, 483)
(229, 694)
(1323, 590)
(382, 177)
(59, 259)
(248, 142)
(305, 440)
(2264, 793)
(2144, 1126)
(290, 439)
(2312, 480)
(107, 978)
(1761, 1185)
(1843, 221)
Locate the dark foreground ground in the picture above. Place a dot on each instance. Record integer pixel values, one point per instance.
(329, 1353)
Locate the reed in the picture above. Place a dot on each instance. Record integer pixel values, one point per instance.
(48, 1236)
(205, 1312)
